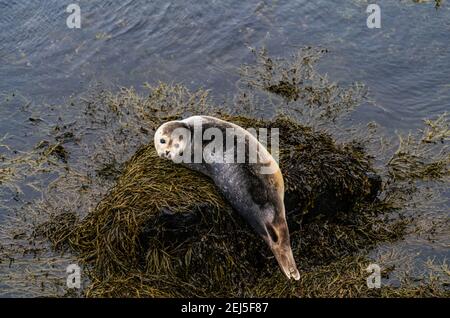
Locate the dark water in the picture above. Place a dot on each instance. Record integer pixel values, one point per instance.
(405, 64)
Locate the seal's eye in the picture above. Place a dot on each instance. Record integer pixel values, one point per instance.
(163, 141)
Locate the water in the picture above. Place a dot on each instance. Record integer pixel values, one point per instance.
(202, 43)
(405, 64)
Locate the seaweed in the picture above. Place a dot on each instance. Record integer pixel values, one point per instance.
(310, 96)
(416, 156)
(171, 229)
(141, 226)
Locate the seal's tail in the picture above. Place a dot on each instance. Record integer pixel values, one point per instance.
(279, 242)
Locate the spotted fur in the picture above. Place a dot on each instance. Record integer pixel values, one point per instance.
(257, 196)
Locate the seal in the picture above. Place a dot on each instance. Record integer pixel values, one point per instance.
(244, 171)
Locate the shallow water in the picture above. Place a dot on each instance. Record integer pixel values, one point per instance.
(405, 64)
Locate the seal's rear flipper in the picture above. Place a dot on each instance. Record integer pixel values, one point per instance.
(286, 261)
(279, 243)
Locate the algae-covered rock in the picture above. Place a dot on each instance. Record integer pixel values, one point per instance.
(170, 226)
(141, 226)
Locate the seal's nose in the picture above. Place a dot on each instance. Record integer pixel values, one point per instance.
(167, 152)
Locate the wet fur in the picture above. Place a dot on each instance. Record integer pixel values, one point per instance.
(258, 197)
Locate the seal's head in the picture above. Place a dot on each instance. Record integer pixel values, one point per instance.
(171, 139)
